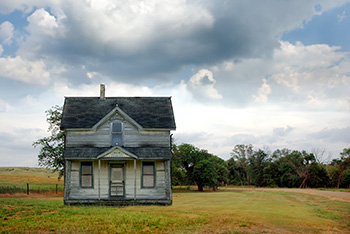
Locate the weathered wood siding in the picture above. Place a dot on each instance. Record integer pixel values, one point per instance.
(131, 136)
(162, 189)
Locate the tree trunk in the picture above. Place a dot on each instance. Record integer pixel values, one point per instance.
(200, 187)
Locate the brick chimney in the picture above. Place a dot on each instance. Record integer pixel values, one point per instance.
(102, 91)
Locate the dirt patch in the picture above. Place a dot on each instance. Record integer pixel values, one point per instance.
(343, 196)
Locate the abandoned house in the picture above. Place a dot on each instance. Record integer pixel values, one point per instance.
(117, 150)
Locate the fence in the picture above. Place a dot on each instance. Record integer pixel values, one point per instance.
(31, 188)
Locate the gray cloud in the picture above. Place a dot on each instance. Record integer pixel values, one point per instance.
(333, 135)
(146, 41)
(282, 132)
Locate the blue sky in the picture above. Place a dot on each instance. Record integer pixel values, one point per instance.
(274, 74)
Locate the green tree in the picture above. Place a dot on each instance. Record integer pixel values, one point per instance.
(202, 168)
(241, 154)
(343, 166)
(258, 161)
(51, 151)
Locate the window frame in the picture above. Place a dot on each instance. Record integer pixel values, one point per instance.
(117, 133)
(86, 163)
(148, 163)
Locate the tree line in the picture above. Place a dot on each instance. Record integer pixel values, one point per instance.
(282, 168)
(191, 165)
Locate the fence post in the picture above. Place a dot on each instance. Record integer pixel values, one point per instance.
(27, 189)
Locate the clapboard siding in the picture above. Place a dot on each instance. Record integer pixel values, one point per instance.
(132, 137)
(158, 192)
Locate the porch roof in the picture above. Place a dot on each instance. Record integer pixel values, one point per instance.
(139, 152)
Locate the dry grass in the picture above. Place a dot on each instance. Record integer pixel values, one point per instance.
(192, 212)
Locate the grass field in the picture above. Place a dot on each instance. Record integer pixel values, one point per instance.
(191, 212)
(15, 180)
(230, 211)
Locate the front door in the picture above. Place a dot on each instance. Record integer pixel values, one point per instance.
(116, 183)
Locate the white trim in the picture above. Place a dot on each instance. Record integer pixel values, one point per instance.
(127, 153)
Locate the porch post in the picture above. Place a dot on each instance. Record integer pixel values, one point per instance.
(99, 181)
(134, 179)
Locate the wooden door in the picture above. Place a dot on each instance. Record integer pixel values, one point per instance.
(116, 182)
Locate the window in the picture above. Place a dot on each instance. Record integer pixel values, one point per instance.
(117, 134)
(86, 180)
(148, 175)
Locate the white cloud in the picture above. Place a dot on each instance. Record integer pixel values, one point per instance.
(5, 107)
(202, 84)
(6, 32)
(341, 16)
(43, 23)
(113, 89)
(263, 92)
(19, 69)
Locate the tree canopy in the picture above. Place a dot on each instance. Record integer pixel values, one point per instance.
(197, 166)
(51, 147)
(282, 168)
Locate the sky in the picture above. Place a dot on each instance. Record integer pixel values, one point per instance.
(274, 74)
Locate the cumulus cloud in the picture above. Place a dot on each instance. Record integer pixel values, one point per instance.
(143, 39)
(263, 92)
(302, 76)
(202, 84)
(18, 69)
(41, 22)
(6, 32)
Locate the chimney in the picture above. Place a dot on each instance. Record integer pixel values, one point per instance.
(102, 91)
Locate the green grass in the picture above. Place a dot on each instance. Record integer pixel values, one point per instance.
(191, 212)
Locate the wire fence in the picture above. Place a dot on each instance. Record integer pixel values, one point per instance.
(31, 188)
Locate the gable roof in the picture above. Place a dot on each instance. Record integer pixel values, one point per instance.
(148, 112)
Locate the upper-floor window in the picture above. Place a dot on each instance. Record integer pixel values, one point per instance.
(117, 134)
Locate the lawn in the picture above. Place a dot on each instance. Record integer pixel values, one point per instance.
(191, 212)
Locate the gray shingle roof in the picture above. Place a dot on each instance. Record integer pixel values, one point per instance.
(149, 112)
(140, 152)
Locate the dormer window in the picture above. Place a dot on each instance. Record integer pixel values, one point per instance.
(117, 133)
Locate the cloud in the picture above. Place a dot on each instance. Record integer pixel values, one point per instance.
(282, 132)
(263, 92)
(202, 84)
(5, 107)
(333, 135)
(341, 16)
(6, 32)
(301, 76)
(41, 22)
(146, 40)
(7, 7)
(18, 69)
(231, 78)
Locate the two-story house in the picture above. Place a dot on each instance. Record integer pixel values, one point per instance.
(117, 150)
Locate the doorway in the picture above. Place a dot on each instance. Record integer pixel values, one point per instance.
(116, 182)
